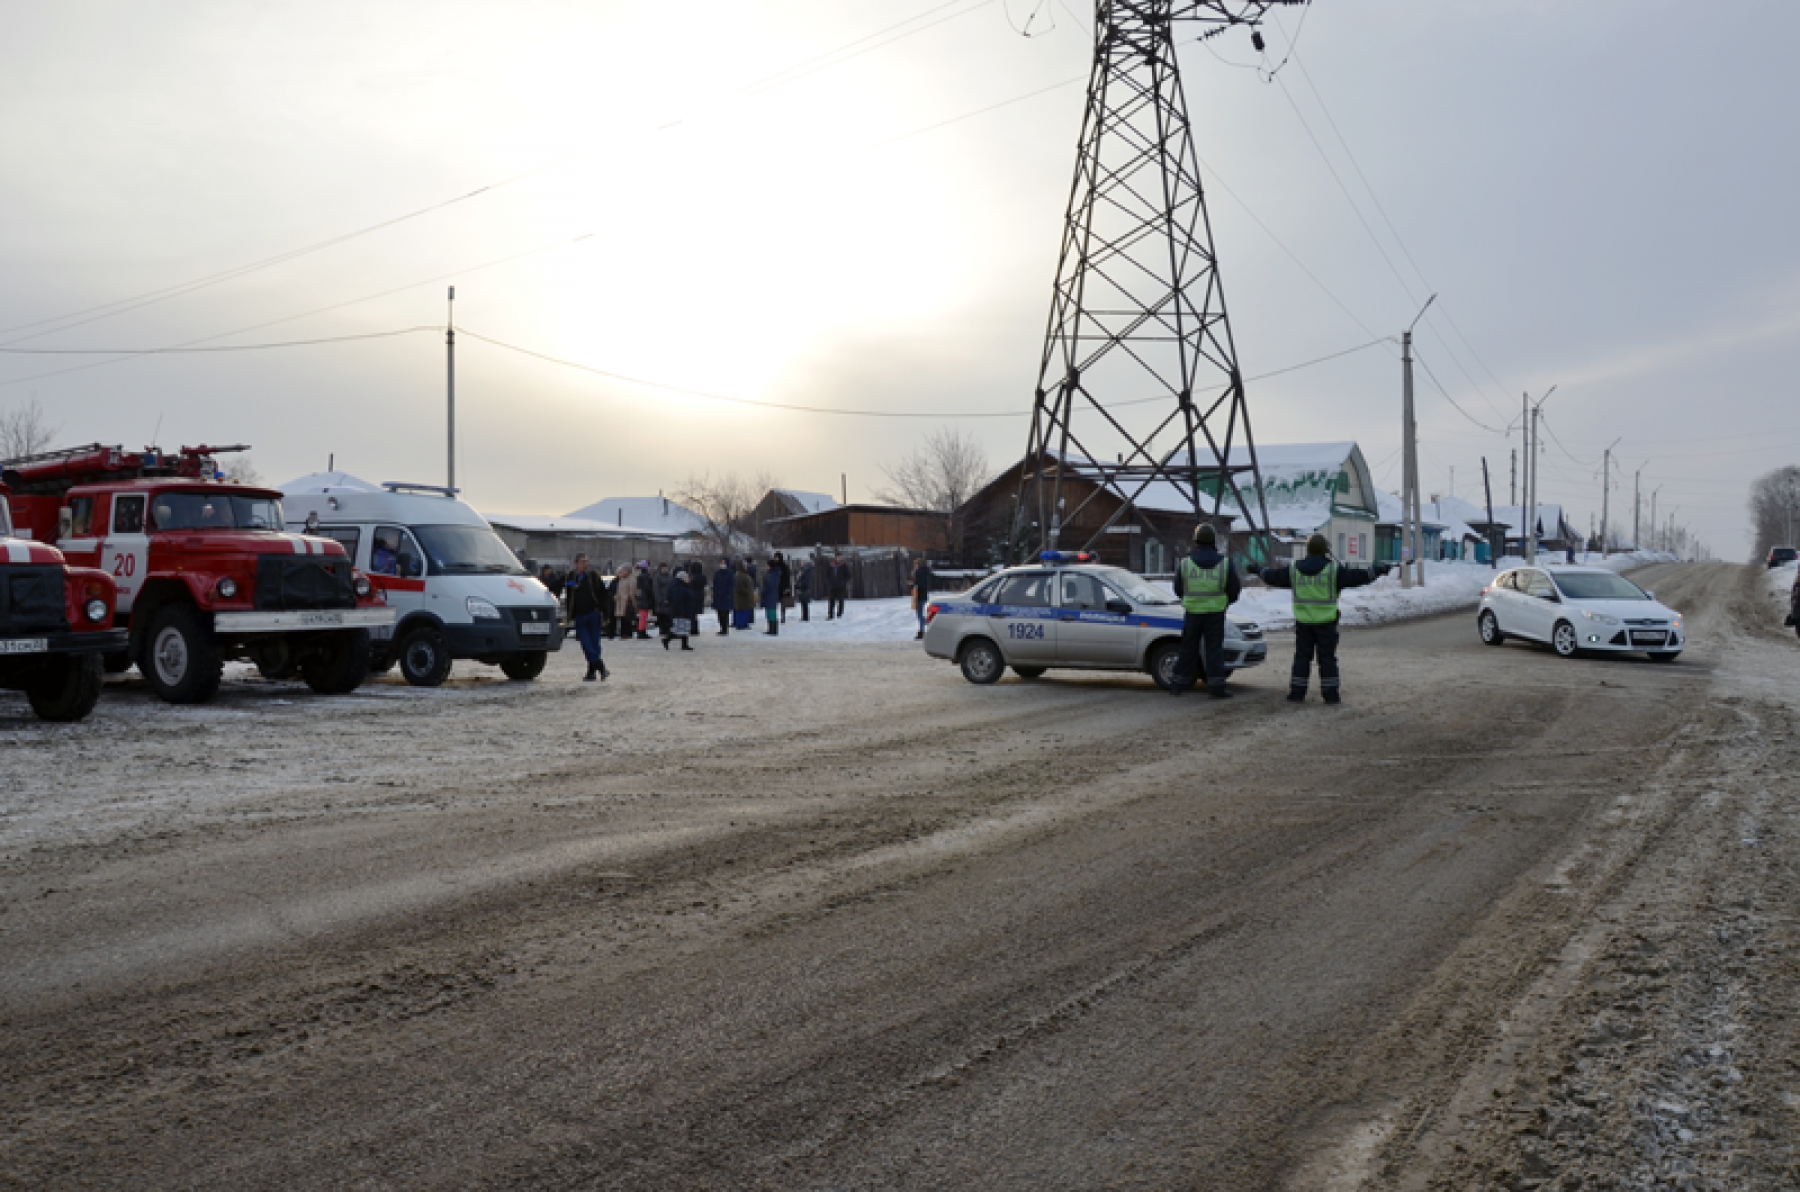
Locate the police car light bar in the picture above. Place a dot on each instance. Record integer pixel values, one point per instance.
(1066, 556)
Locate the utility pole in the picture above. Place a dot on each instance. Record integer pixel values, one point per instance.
(1512, 477)
(1606, 490)
(1653, 534)
(1637, 506)
(1531, 474)
(1488, 490)
(1410, 535)
(450, 379)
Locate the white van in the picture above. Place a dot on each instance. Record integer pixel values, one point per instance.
(457, 590)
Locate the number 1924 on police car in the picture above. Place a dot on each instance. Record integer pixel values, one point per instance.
(1025, 629)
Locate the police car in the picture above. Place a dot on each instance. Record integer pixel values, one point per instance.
(1068, 611)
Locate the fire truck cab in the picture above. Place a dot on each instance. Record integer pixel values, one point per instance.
(206, 570)
(55, 625)
(456, 589)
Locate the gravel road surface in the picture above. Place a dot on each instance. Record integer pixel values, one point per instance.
(780, 915)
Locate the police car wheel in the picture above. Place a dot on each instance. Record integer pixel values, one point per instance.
(981, 662)
(1490, 630)
(1029, 672)
(1162, 665)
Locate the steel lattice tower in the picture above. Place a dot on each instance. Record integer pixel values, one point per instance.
(1138, 314)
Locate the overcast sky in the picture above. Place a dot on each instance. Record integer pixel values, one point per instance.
(806, 202)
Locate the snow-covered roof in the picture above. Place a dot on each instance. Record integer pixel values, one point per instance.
(1300, 482)
(658, 514)
(1550, 519)
(328, 482)
(809, 502)
(539, 523)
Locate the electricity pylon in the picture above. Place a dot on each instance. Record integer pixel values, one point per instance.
(1138, 315)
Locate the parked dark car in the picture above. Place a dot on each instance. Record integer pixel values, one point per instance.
(1782, 554)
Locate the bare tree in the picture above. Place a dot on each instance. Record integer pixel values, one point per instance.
(1775, 509)
(239, 468)
(941, 474)
(24, 431)
(726, 505)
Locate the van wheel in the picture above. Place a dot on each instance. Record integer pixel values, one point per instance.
(337, 665)
(67, 688)
(424, 657)
(1162, 665)
(524, 666)
(1490, 629)
(1029, 672)
(981, 662)
(180, 660)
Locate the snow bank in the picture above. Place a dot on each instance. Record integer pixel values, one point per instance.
(1448, 587)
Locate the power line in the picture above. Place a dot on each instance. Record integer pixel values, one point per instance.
(317, 311)
(291, 343)
(841, 411)
(1453, 402)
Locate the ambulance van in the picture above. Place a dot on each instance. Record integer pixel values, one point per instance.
(457, 590)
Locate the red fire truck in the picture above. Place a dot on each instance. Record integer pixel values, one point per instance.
(55, 624)
(205, 570)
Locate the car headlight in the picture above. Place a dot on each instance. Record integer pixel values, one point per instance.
(1600, 618)
(96, 611)
(482, 610)
(227, 587)
(363, 586)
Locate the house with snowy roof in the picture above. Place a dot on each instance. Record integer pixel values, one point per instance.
(658, 514)
(1304, 488)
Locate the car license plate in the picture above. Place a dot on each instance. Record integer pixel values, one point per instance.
(1648, 637)
(25, 645)
(535, 628)
(328, 618)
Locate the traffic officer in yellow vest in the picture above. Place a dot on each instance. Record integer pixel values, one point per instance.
(1208, 584)
(1316, 582)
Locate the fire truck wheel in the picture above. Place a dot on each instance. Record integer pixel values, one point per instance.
(337, 664)
(525, 665)
(424, 657)
(182, 663)
(68, 688)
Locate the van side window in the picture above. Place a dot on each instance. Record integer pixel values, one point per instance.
(128, 515)
(384, 555)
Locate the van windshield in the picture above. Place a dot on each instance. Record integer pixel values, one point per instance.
(213, 511)
(467, 550)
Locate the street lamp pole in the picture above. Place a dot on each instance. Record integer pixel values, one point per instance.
(1537, 409)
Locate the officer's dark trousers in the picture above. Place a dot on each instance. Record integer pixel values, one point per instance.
(1322, 639)
(1201, 634)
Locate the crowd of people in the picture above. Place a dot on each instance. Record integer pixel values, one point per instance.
(671, 597)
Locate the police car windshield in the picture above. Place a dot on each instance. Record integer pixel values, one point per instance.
(467, 550)
(1135, 588)
(214, 511)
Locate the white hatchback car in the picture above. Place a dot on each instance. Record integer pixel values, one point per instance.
(1066, 612)
(1579, 610)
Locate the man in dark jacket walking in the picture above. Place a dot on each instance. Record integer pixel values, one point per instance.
(921, 592)
(1207, 584)
(588, 605)
(1316, 581)
(837, 578)
(724, 595)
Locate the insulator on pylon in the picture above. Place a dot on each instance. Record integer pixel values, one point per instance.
(1256, 40)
